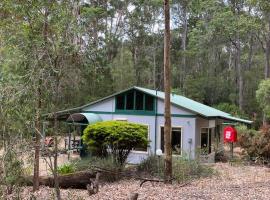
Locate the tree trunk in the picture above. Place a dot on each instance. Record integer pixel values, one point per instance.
(77, 180)
(267, 54)
(184, 44)
(55, 167)
(239, 73)
(167, 88)
(37, 140)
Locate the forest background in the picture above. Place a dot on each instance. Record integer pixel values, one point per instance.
(61, 54)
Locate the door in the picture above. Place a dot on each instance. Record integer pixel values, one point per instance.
(206, 135)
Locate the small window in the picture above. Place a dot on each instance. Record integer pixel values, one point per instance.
(149, 103)
(139, 100)
(176, 140)
(130, 101)
(120, 102)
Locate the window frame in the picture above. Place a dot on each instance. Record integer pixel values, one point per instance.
(209, 147)
(134, 111)
(182, 133)
(148, 138)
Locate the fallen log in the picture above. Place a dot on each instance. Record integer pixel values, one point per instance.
(77, 180)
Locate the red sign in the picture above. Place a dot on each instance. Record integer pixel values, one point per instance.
(230, 134)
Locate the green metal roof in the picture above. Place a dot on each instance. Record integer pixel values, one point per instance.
(193, 106)
(92, 118)
(178, 100)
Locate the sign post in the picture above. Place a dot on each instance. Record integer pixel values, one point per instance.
(230, 135)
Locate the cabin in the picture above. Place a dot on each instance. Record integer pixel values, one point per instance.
(195, 127)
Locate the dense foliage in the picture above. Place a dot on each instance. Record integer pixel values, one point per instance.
(115, 137)
(73, 53)
(12, 171)
(255, 143)
(263, 96)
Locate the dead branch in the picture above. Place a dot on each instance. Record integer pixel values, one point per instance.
(93, 187)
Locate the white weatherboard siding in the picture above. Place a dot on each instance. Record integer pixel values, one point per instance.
(106, 105)
(174, 109)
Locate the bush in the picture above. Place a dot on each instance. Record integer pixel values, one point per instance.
(183, 169)
(107, 163)
(12, 169)
(67, 168)
(255, 143)
(115, 137)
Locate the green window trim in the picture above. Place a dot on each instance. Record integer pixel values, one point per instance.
(134, 110)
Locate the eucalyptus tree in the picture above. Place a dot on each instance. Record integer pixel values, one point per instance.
(167, 87)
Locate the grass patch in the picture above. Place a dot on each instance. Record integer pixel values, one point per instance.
(67, 168)
(183, 169)
(107, 163)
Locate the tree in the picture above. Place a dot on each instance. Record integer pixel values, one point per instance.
(167, 88)
(116, 137)
(263, 97)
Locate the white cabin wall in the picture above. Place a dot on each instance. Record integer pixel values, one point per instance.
(174, 109)
(107, 105)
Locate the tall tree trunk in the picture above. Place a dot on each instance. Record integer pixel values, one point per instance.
(184, 43)
(37, 140)
(239, 73)
(267, 60)
(55, 167)
(167, 88)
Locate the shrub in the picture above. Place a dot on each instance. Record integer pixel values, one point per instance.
(107, 163)
(183, 169)
(115, 137)
(12, 171)
(67, 168)
(255, 143)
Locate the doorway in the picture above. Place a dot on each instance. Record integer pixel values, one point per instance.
(206, 141)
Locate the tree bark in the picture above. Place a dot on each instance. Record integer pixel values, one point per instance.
(167, 87)
(77, 180)
(184, 43)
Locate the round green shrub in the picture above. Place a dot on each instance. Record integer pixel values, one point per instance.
(115, 137)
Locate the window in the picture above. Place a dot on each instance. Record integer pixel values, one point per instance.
(176, 140)
(130, 101)
(149, 103)
(143, 148)
(120, 102)
(139, 100)
(136, 101)
(206, 140)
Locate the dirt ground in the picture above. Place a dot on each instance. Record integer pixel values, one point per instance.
(231, 182)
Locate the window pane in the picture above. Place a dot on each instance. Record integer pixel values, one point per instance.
(130, 100)
(120, 102)
(139, 100)
(149, 103)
